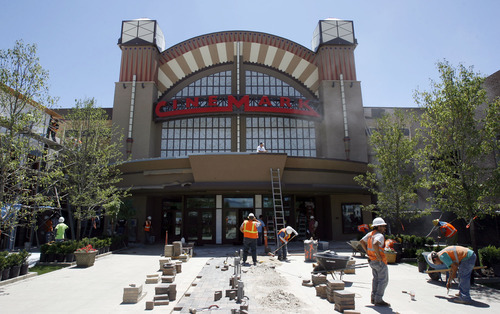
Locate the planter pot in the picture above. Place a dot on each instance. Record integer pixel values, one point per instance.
(422, 266)
(496, 270)
(24, 269)
(49, 257)
(6, 273)
(85, 259)
(60, 257)
(14, 271)
(391, 257)
(70, 257)
(43, 257)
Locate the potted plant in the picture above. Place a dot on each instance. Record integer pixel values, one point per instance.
(85, 256)
(490, 257)
(422, 264)
(68, 248)
(24, 262)
(3, 263)
(390, 255)
(14, 261)
(50, 255)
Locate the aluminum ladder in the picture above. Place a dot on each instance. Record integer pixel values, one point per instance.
(279, 214)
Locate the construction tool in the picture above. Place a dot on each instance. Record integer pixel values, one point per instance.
(274, 252)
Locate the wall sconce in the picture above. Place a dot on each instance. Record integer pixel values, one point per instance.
(124, 86)
(333, 84)
(352, 83)
(142, 85)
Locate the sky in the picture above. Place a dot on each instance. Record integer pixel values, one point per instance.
(399, 41)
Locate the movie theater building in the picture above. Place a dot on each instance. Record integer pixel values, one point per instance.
(193, 115)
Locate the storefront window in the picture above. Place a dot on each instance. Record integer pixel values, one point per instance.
(200, 202)
(238, 202)
(351, 217)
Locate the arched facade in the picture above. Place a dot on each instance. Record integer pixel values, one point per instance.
(193, 115)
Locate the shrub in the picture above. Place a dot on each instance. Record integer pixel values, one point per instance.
(3, 260)
(419, 255)
(24, 256)
(489, 255)
(14, 259)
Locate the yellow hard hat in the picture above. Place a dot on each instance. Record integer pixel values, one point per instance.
(435, 222)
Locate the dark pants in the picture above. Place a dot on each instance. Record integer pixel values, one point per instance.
(261, 238)
(282, 252)
(250, 244)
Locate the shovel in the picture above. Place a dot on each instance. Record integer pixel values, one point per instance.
(274, 252)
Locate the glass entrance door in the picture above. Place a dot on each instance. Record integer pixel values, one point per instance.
(233, 218)
(200, 226)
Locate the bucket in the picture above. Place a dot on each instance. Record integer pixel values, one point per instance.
(310, 248)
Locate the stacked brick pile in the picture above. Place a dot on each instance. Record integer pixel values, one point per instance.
(331, 287)
(132, 294)
(344, 300)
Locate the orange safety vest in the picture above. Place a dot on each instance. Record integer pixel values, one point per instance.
(250, 229)
(285, 235)
(147, 225)
(371, 249)
(390, 243)
(456, 253)
(363, 228)
(448, 229)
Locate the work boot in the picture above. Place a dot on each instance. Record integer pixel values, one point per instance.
(461, 301)
(382, 303)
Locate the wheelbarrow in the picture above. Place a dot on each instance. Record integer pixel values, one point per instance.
(356, 248)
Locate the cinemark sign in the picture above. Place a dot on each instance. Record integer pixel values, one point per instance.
(230, 103)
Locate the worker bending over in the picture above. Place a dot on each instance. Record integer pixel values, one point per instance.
(284, 237)
(447, 231)
(457, 258)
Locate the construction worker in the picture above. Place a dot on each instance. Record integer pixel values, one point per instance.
(364, 228)
(457, 258)
(284, 236)
(249, 227)
(313, 226)
(147, 230)
(373, 244)
(447, 231)
(61, 230)
(389, 243)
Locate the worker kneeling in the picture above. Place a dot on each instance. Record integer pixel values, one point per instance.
(284, 236)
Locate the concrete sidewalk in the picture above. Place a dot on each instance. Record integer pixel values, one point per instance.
(99, 289)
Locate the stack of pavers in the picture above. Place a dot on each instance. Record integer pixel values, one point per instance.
(319, 282)
(331, 286)
(175, 251)
(166, 291)
(213, 289)
(344, 300)
(132, 294)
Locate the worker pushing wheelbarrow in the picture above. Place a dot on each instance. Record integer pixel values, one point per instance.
(356, 248)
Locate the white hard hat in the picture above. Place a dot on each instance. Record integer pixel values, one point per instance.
(378, 222)
(312, 217)
(251, 215)
(149, 217)
(289, 230)
(61, 219)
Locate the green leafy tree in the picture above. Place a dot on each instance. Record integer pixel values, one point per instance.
(461, 130)
(24, 187)
(90, 161)
(392, 177)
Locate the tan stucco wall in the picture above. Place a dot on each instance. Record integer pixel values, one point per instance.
(336, 221)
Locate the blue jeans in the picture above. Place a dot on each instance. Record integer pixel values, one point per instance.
(380, 279)
(465, 269)
(249, 244)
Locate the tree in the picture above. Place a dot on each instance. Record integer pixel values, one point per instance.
(461, 132)
(90, 161)
(23, 87)
(393, 178)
